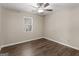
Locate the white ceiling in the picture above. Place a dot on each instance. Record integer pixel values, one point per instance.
(18, 6)
(29, 8)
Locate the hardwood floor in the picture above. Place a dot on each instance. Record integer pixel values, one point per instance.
(40, 47)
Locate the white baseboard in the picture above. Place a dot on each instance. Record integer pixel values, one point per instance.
(19, 42)
(62, 43)
(36, 39)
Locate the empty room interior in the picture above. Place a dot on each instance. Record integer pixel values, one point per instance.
(39, 29)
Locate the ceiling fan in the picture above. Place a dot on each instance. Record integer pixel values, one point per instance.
(43, 7)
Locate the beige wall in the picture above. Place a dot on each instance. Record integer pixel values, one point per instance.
(1, 40)
(63, 26)
(13, 26)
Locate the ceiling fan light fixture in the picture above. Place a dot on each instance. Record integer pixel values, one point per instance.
(40, 10)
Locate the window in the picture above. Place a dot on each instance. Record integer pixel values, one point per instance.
(28, 24)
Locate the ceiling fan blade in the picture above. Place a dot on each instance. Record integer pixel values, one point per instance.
(39, 4)
(48, 10)
(45, 5)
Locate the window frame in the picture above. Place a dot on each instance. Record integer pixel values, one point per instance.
(31, 18)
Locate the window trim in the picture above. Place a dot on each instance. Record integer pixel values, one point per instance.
(28, 24)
